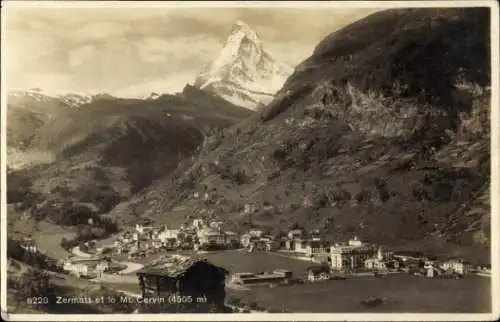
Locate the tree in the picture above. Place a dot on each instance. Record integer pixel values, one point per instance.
(37, 286)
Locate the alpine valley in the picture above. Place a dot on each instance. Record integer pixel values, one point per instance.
(382, 132)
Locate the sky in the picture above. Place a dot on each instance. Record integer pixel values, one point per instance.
(137, 51)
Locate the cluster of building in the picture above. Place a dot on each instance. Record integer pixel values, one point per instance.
(29, 245)
(451, 267)
(258, 240)
(146, 238)
(85, 267)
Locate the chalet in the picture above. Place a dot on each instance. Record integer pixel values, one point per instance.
(348, 257)
(29, 245)
(295, 233)
(318, 273)
(315, 234)
(198, 224)
(185, 276)
(317, 248)
(296, 245)
(261, 245)
(163, 234)
(355, 242)
(245, 240)
(232, 239)
(380, 261)
(86, 266)
(456, 265)
(256, 233)
(139, 228)
(211, 238)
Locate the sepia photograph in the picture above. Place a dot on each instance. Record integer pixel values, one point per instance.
(249, 160)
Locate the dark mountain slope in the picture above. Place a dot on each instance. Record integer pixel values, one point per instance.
(383, 132)
(104, 151)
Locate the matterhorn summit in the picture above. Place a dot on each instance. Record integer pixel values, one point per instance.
(244, 73)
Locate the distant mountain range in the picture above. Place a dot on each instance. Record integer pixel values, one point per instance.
(63, 98)
(243, 74)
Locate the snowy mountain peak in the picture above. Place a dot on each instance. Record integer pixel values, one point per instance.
(62, 97)
(243, 41)
(242, 30)
(244, 73)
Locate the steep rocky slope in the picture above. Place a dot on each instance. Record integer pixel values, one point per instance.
(383, 132)
(244, 73)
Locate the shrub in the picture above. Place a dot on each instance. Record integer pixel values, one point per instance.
(382, 189)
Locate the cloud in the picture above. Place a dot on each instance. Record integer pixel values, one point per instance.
(170, 83)
(80, 55)
(98, 31)
(112, 49)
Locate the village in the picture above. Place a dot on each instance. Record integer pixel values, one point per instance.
(139, 259)
(350, 258)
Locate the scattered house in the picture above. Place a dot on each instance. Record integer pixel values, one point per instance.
(315, 234)
(355, 242)
(118, 250)
(295, 233)
(277, 276)
(215, 225)
(139, 228)
(249, 208)
(245, 240)
(170, 243)
(184, 276)
(198, 224)
(133, 247)
(261, 244)
(456, 265)
(85, 266)
(430, 269)
(29, 245)
(318, 273)
(166, 234)
(485, 269)
(232, 239)
(299, 245)
(212, 238)
(317, 248)
(352, 256)
(157, 244)
(377, 262)
(256, 233)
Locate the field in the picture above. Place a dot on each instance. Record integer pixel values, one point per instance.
(47, 235)
(240, 261)
(403, 293)
(48, 239)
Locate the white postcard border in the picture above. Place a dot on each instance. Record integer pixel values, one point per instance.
(495, 164)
